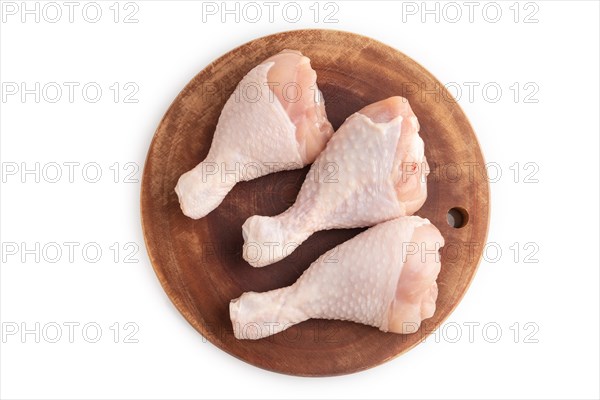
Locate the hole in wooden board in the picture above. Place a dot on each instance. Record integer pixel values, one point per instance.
(457, 217)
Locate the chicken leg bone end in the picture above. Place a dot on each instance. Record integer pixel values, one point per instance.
(267, 240)
(200, 193)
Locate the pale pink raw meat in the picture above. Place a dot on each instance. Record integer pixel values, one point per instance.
(372, 170)
(274, 121)
(384, 277)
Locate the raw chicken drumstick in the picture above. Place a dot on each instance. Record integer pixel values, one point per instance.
(274, 121)
(372, 170)
(384, 277)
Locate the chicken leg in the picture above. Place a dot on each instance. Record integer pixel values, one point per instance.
(274, 121)
(384, 277)
(372, 170)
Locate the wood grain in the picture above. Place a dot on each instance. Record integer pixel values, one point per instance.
(199, 263)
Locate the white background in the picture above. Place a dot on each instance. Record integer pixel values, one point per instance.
(555, 356)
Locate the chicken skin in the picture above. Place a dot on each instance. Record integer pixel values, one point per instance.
(372, 170)
(274, 121)
(384, 277)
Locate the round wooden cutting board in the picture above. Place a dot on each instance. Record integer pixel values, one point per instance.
(199, 262)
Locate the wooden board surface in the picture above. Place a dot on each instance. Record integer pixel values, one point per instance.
(199, 262)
